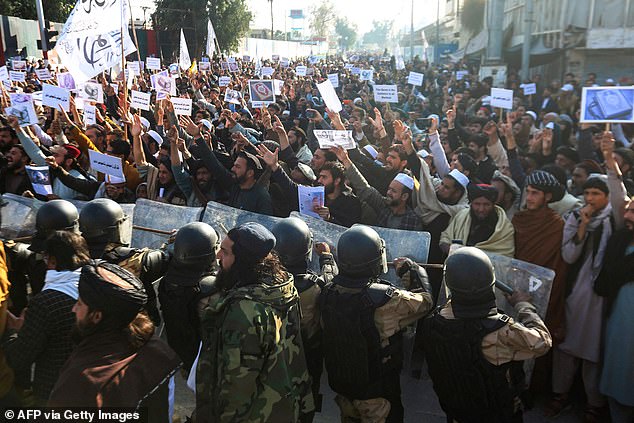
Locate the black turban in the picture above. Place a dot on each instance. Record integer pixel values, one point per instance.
(482, 190)
(546, 182)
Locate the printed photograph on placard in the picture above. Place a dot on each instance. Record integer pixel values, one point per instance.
(224, 65)
(24, 112)
(204, 66)
(65, 80)
(37, 176)
(19, 65)
(233, 67)
(262, 91)
(163, 83)
(607, 104)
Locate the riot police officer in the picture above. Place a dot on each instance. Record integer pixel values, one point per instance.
(190, 277)
(294, 247)
(26, 263)
(101, 224)
(362, 319)
(473, 351)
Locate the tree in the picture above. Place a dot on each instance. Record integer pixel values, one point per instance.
(472, 16)
(230, 18)
(379, 34)
(54, 10)
(322, 19)
(347, 33)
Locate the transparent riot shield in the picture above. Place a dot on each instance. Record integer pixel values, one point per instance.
(152, 222)
(224, 218)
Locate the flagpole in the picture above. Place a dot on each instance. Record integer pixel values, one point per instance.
(124, 106)
(136, 42)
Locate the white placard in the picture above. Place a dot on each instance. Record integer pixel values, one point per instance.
(309, 197)
(461, 74)
(232, 96)
(53, 96)
(135, 68)
(90, 114)
(329, 95)
(278, 84)
(246, 58)
(334, 79)
(91, 91)
(182, 106)
(65, 80)
(529, 88)
(329, 138)
(415, 78)
(301, 70)
(366, 74)
(4, 73)
(110, 165)
(204, 66)
(501, 97)
(18, 65)
(284, 63)
(261, 92)
(22, 108)
(163, 83)
(40, 179)
(267, 70)
(43, 74)
(355, 70)
(223, 81)
(17, 76)
(348, 66)
(153, 63)
(386, 93)
(607, 104)
(231, 59)
(275, 57)
(139, 100)
(115, 87)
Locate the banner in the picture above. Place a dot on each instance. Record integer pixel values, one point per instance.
(95, 18)
(211, 37)
(184, 60)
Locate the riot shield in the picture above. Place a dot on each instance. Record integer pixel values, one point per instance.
(224, 218)
(18, 216)
(151, 222)
(399, 243)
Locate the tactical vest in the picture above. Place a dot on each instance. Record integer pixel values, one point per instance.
(355, 360)
(469, 387)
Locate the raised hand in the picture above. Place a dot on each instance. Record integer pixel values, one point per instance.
(342, 155)
(190, 127)
(378, 121)
(136, 128)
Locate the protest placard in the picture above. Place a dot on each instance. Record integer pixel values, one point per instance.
(182, 106)
(348, 66)
(278, 84)
(43, 74)
(529, 88)
(308, 197)
(502, 98)
(54, 96)
(90, 114)
(232, 96)
(18, 65)
(246, 58)
(91, 91)
(4, 73)
(174, 69)
(234, 67)
(164, 83)
(267, 70)
(275, 57)
(607, 104)
(135, 68)
(40, 179)
(355, 70)
(366, 75)
(204, 66)
(22, 108)
(140, 100)
(109, 165)
(65, 80)
(328, 138)
(284, 63)
(329, 95)
(415, 78)
(153, 63)
(386, 93)
(334, 79)
(17, 76)
(223, 81)
(461, 74)
(262, 92)
(300, 70)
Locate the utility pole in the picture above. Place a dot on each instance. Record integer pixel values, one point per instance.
(437, 47)
(528, 32)
(271, 1)
(411, 35)
(496, 16)
(42, 27)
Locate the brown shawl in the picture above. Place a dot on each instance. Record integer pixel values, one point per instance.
(538, 238)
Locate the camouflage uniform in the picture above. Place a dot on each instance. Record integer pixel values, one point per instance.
(252, 367)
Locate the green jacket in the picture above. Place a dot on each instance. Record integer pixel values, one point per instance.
(252, 367)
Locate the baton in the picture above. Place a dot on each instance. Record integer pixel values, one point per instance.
(154, 231)
(427, 265)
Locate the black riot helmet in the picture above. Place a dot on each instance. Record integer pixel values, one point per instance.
(54, 215)
(196, 245)
(294, 241)
(101, 220)
(361, 253)
(470, 277)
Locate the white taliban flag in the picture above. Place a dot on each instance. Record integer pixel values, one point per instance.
(184, 60)
(89, 44)
(425, 44)
(211, 39)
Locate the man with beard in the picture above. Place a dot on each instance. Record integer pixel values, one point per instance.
(240, 182)
(252, 365)
(13, 177)
(394, 210)
(8, 138)
(538, 239)
(341, 205)
(118, 362)
(483, 224)
(200, 187)
(297, 139)
(381, 177)
(321, 156)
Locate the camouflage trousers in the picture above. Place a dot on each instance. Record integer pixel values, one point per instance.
(373, 410)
